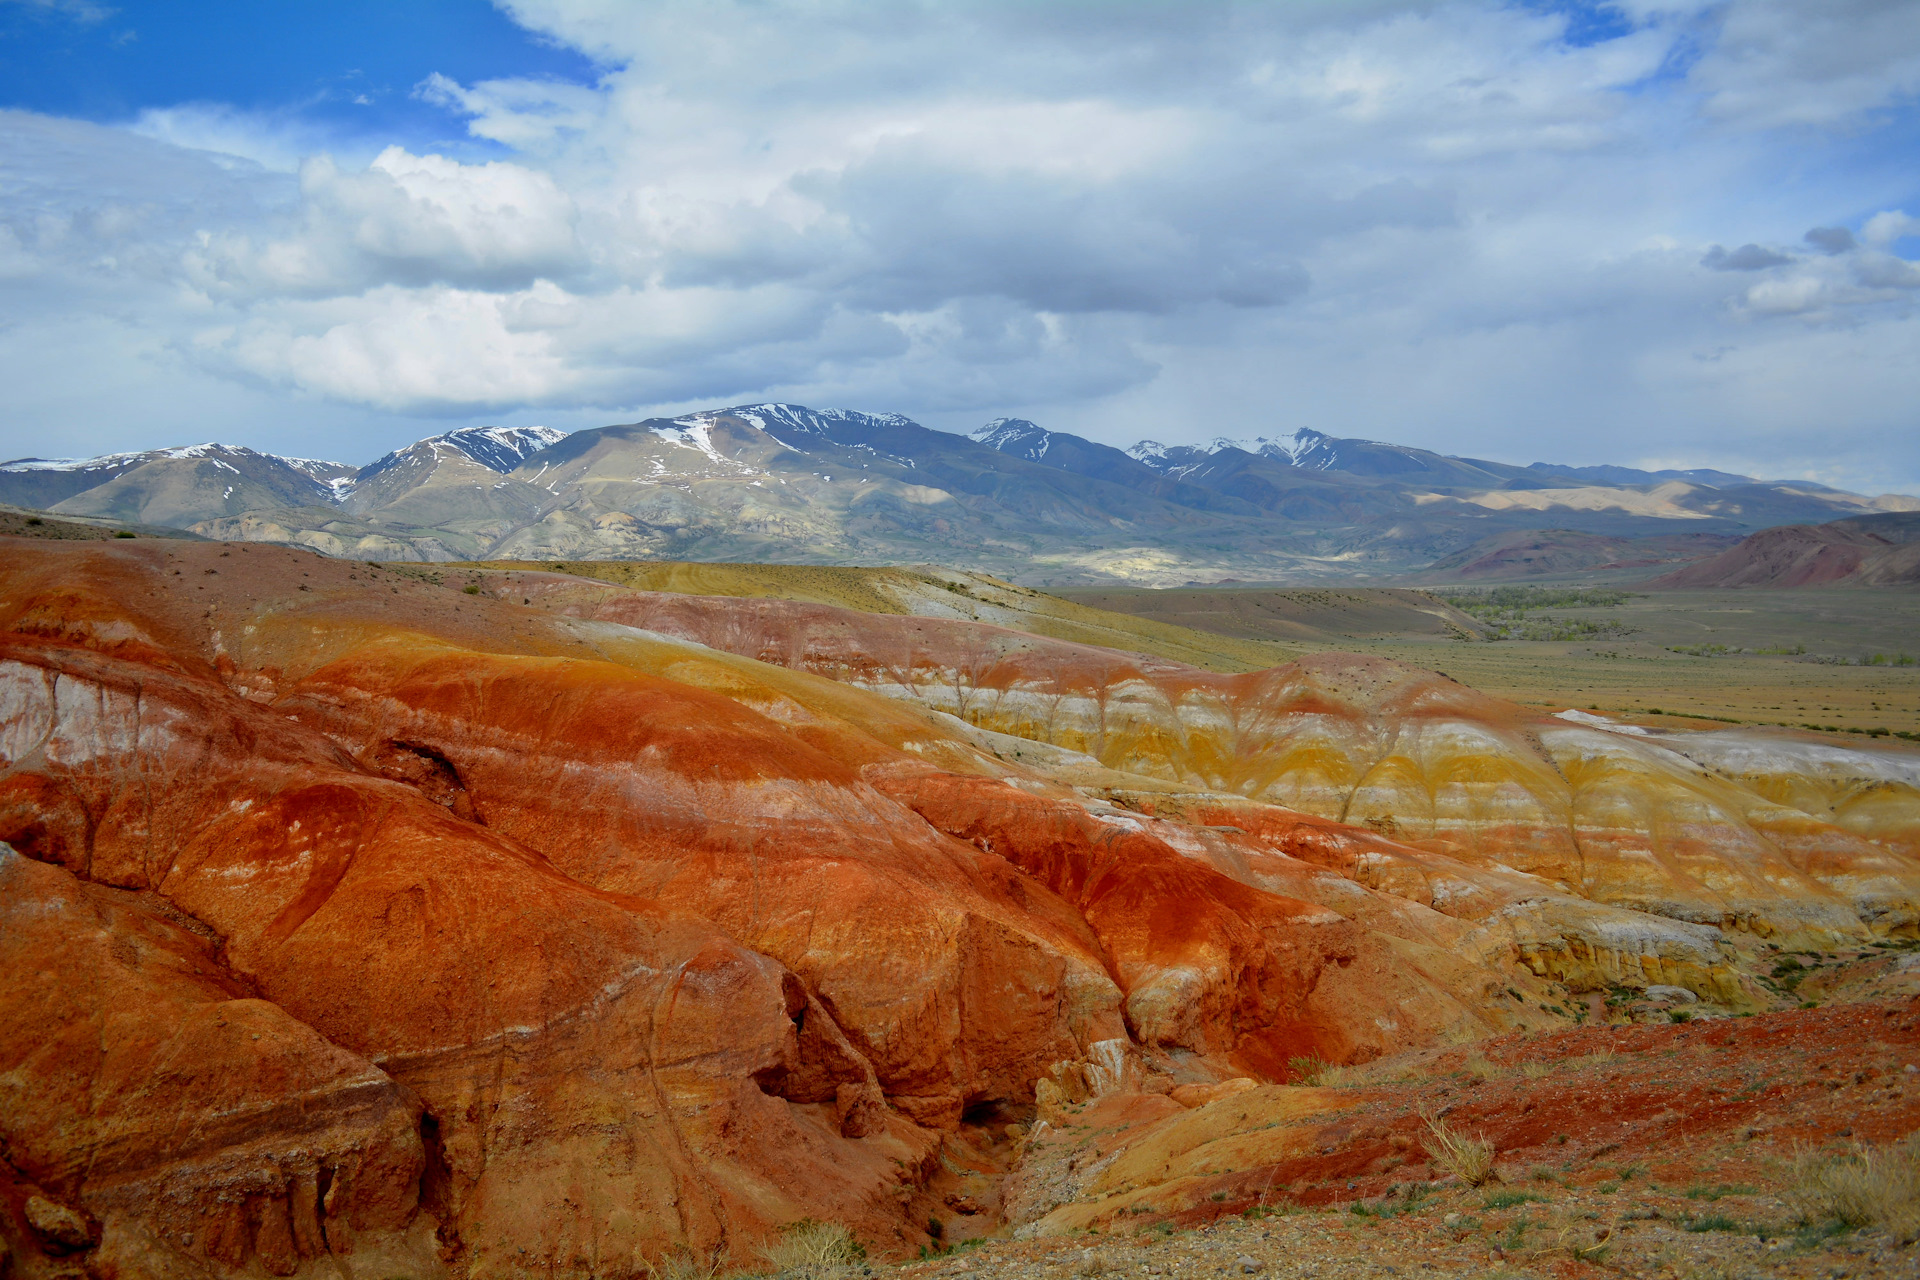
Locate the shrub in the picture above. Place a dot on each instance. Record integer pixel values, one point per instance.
(685, 1266)
(1468, 1159)
(1509, 1199)
(1864, 1186)
(1321, 1073)
(813, 1250)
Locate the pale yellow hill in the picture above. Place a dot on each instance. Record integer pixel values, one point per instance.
(932, 593)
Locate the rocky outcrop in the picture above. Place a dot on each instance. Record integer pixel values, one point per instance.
(351, 913)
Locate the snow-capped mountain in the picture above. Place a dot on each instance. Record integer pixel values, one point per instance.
(1016, 436)
(786, 482)
(799, 418)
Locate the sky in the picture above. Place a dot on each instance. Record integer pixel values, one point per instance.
(1648, 232)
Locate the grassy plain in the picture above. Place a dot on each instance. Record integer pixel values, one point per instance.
(1642, 676)
(1638, 675)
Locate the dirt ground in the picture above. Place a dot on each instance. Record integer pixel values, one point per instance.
(1642, 1150)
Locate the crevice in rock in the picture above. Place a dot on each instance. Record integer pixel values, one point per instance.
(428, 770)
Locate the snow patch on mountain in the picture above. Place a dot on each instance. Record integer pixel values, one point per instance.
(697, 433)
(1017, 436)
(797, 417)
(105, 460)
(502, 448)
(1304, 448)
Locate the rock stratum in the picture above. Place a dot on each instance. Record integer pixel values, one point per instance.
(365, 921)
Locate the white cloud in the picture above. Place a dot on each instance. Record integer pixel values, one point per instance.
(519, 113)
(1439, 223)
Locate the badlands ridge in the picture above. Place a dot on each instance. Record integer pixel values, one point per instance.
(375, 921)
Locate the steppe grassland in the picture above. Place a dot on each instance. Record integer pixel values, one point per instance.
(1637, 676)
(1641, 675)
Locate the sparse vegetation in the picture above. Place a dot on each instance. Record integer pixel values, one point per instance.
(1321, 1073)
(1863, 1186)
(1512, 1199)
(810, 1250)
(1505, 609)
(1468, 1159)
(686, 1266)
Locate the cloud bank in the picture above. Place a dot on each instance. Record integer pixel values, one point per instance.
(1669, 233)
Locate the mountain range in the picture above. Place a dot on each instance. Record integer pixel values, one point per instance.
(785, 483)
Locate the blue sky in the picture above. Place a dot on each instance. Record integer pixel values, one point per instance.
(349, 67)
(1528, 231)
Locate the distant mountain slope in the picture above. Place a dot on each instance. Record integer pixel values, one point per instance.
(169, 486)
(1541, 553)
(1869, 551)
(786, 483)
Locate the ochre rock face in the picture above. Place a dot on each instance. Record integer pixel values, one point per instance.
(196, 1118)
(1786, 849)
(569, 944)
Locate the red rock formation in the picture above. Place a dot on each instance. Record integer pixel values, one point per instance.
(568, 944)
(1621, 821)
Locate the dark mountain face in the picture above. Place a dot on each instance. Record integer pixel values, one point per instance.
(1632, 475)
(1853, 553)
(787, 483)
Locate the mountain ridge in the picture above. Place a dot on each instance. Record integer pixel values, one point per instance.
(758, 482)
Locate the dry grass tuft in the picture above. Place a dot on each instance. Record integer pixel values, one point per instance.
(1484, 1067)
(1535, 1070)
(1865, 1186)
(810, 1250)
(1468, 1159)
(1322, 1074)
(686, 1266)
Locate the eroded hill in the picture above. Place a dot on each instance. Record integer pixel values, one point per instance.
(523, 922)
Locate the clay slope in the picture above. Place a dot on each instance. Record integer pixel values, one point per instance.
(468, 938)
(1582, 814)
(1875, 551)
(517, 923)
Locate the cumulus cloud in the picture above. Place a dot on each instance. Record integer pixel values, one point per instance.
(1748, 257)
(1444, 223)
(1830, 239)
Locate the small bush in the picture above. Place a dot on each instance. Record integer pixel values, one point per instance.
(1468, 1159)
(471, 589)
(1714, 1193)
(122, 533)
(1509, 1199)
(1866, 1186)
(685, 1266)
(812, 1250)
(1713, 1222)
(1321, 1073)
